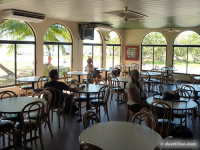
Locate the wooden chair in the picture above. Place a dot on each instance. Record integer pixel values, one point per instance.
(40, 85)
(156, 67)
(142, 115)
(115, 88)
(90, 77)
(28, 125)
(45, 94)
(116, 72)
(166, 122)
(100, 82)
(56, 104)
(124, 70)
(145, 79)
(133, 64)
(170, 73)
(103, 97)
(23, 86)
(136, 66)
(177, 83)
(89, 146)
(68, 78)
(129, 112)
(7, 127)
(7, 116)
(89, 116)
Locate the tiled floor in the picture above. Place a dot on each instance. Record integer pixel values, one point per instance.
(67, 137)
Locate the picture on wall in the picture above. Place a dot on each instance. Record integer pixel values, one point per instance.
(131, 53)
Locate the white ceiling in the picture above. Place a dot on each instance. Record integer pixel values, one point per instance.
(183, 13)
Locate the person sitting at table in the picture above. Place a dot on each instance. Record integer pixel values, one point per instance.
(136, 96)
(60, 85)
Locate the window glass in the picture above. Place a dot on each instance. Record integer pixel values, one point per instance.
(116, 55)
(187, 38)
(159, 56)
(114, 38)
(147, 58)
(154, 38)
(87, 53)
(97, 56)
(109, 56)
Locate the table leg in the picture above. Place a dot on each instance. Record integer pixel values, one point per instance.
(33, 85)
(129, 69)
(88, 99)
(79, 78)
(124, 85)
(106, 76)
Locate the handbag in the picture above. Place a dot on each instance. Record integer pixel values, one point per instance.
(171, 95)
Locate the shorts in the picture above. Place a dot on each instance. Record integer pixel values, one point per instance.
(135, 107)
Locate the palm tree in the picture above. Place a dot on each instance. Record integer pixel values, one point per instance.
(20, 31)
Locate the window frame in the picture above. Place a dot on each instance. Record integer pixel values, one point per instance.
(60, 43)
(113, 45)
(15, 52)
(187, 46)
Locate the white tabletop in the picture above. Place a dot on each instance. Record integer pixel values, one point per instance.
(118, 135)
(197, 78)
(92, 88)
(16, 104)
(123, 79)
(78, 73)
(28, 79)
(190, 104)
(106, 69)
(129, 66)
(152, 73)
(168, 69)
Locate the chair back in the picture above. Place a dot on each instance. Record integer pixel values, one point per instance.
(100, 82)
(144, 76)
(114, 82)
(124, 70)
(117, 71)
(33, 124)
(5, 94)
(177, 82)
(184, 113)
(167, 114)
(192, 78)
(40, 83)
(156, 67)
(90, 76)
(89, 116)
(65, 74)
(104, 92)
(56, 98)
(190, 89)
(141, 115)
(184, 94)
(45, 94)
(20, 75)
(136, 66)
(89, 146)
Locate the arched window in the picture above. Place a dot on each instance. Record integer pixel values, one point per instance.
(17, 51)
(57, 49)
(187, 52)
(154, 47)
(113, 50)
(93, 49)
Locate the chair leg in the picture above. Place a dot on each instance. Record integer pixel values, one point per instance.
(71, 107)
(35, 136)
(52, 115)
(127, 117)
(79, 105)
(49, 126)
(106, 108)
(24, 139)
(40, 136)
(58, 114)
(3, 139)
(19, 92)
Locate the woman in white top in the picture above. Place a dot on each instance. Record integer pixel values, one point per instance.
(135, 91)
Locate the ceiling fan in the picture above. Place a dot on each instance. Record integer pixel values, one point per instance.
(170, 29)
(126, 19)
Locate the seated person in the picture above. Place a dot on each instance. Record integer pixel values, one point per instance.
(135, 91)
(59, 85)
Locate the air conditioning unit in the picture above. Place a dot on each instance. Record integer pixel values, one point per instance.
(22, 15)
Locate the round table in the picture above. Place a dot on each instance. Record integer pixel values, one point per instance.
(92, 88)
(118, 135)
(16, 104)
(197, 78)
(152, 73)
(190, 104)
(78, 73)
(106, 70)
(32, 79)
(168, 69)
(123, 79)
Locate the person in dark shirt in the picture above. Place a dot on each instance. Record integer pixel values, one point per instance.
(59, 85)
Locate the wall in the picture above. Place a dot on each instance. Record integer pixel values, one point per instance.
(40, 30)
(134, 37)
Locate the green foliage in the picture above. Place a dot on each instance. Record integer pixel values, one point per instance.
(187, 38)
(114, 38)
(154, 38)
(180, 53)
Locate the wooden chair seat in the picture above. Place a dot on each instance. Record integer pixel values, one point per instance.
(165, 123)
(27, 124)
(26, 87)
(6, 124)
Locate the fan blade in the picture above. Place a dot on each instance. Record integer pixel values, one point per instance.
(176, 30)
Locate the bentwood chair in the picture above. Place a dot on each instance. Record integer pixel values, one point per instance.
(164, 118)
(56, 103)
(40, 85)
(27, 125)
(141, 117)
(124, 70)
(7, 116)
(165, 75)
(177, 83)
(88, 116)
(45, 94)
(23, 86)
(7, 127)
(136, 66)
(102, 100)
(115, 88)
(68, 78)
(89, 146)
(170, 73)
(129, 112)
(90, 77)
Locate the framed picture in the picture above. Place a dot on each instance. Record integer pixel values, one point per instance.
(131, 53)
